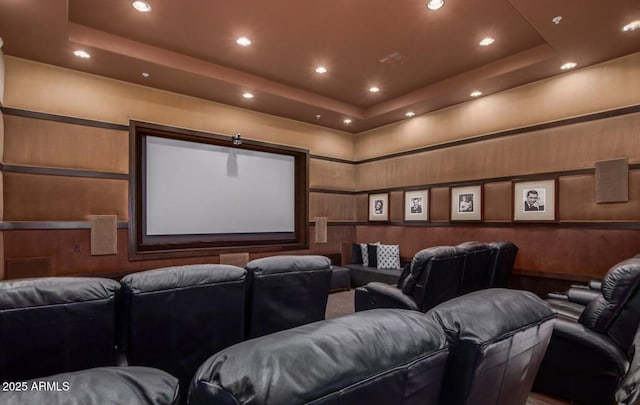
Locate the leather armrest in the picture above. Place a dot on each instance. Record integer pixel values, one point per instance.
(597, 345)
(595, 284)
(380, 295)
(582, 296)
(558, 296)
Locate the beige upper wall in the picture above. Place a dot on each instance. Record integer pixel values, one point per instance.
(38, 87)
(602, 87)
(1, 75)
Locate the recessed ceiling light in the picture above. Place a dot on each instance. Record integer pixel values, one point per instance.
(374, 89)
(318, 116)
(487, 41)
(347, 121)
(435, 4)
(141, 6)
(475, 93)
(247, 95)
(145, 74)
(321, 69)
(568, 65)
(556, 20)
(632, 26)
(81, 54)
(410, 114)
(243, 41)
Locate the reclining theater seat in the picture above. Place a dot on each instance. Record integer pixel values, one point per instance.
(173, 318)
(505, 257)
(587, 359)
(497, 339)
(434, 277)
(61, 330)
(285, 292)
(477, 269)
(381, 357)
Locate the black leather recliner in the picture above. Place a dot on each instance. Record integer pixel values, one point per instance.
(60, 331)
(381, 357)
(433, 277)
(478, 266)
(497, 339)
(285, 292)
(587, 359)
(174, 318)
(505, 257)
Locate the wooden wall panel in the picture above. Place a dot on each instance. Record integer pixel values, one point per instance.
(577, 199)
(31, 197)
(439, 205)
(568, 147)
(35, 142)
(362, 207)
(497, 203)
(330, 175)
(38, 87)
(571, 253)
(601, 87)
(69, 252)
(336, 207)
(396, 206)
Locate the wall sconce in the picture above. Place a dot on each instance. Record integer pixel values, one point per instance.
(236, 139)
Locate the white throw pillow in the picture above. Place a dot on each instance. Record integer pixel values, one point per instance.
(388, 256)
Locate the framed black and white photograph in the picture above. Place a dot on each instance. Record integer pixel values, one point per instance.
(379, 207)
(466, 203)
(535, 200)
(416, 205)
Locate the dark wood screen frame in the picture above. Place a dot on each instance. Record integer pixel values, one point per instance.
(143, 246)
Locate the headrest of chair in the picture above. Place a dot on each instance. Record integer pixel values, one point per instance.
(313, 360)
(490, 314)
(474, 246)
(287, 264)
(420, 261)
(619, 284)
(182, 276)
(32, 292)
(620, 278)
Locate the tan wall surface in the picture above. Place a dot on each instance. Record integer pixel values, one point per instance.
(602, 87)
(30, 197)
(38, 87)
(34, 142)
(568, 147)
(329, 175)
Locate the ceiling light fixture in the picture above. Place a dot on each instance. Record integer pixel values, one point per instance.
(475, 93)
(410, 114)
(374, 89)
(82, 54)
(145, 74)
(321, 69)
(247, 95)
(141, 6)
(243, 41)
(556, 20)
(568, 65)
(435, 4)
(347, 121)
(632, 26)
(486, 41)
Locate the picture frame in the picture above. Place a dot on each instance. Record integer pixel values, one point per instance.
(379, 207)
(416, 205)
(466, 203)
(535, 201)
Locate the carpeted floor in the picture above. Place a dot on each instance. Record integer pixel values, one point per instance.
(341, 303)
